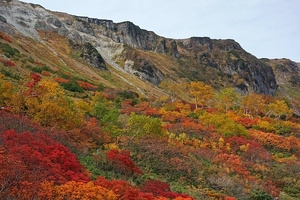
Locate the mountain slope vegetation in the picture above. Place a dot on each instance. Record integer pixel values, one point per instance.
(92, 109)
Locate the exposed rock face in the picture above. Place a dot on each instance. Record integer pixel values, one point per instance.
(228, 58)
(3, 19)
(287, 75)
(287, 72)
(133, 36)
(90, 54)
(144, 70)
(54, 21)
(82, 26)
(43, 26)
(262, 78)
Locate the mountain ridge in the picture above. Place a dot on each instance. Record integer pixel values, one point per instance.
(127, 48)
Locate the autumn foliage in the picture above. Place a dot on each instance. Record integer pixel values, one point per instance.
(61, 80)
(158, 188)
(115, 145)
(5, 37)
(7, 62)
(86, 86)
(46, 158)
(120, 160)
(271, 140)
(75, 190)
(28, 159)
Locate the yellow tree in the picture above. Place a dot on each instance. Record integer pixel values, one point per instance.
(278, 109)
(141, 125)
(228, 99)
(172, 88)
(253, 103)
(6, 90)
(202, 93)
(49, 106)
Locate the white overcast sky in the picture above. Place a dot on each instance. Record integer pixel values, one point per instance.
(265, 28)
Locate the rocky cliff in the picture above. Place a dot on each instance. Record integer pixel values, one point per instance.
(251, 73)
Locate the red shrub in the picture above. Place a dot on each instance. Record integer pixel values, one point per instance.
(229, 198)
(19, 123)
(61, 80)
(5, 37)
(39, 63)
(14, 177)
(35, 79)
(47, 159)
(155, 187)
(254, 151)
(159, 188)
(87, 86)
(152, 112)
(271, 188)
(247, 122)
(122, 189)
(127, 110)
(140, 107)
(126, 103)
(9, 63)
(189, 127)
(121, 160)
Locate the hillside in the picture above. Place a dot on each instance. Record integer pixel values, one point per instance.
(101, 110)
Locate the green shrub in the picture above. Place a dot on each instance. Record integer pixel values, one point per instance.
(38, 69)
(223, 124)
(8, 50)
(260, 195)
(10, 74)
(100, 87)
(72, 86)
(30, 59)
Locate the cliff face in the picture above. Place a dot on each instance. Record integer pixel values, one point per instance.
(287, 74)
(227, 58)
(257, 76)
(135, 51)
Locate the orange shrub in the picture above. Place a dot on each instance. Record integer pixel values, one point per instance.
(233, 162)
(247, 122)
(229, 198)
(61, 80)
(38, 63)
(86, 86)
(270, 139)
(45, 73)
